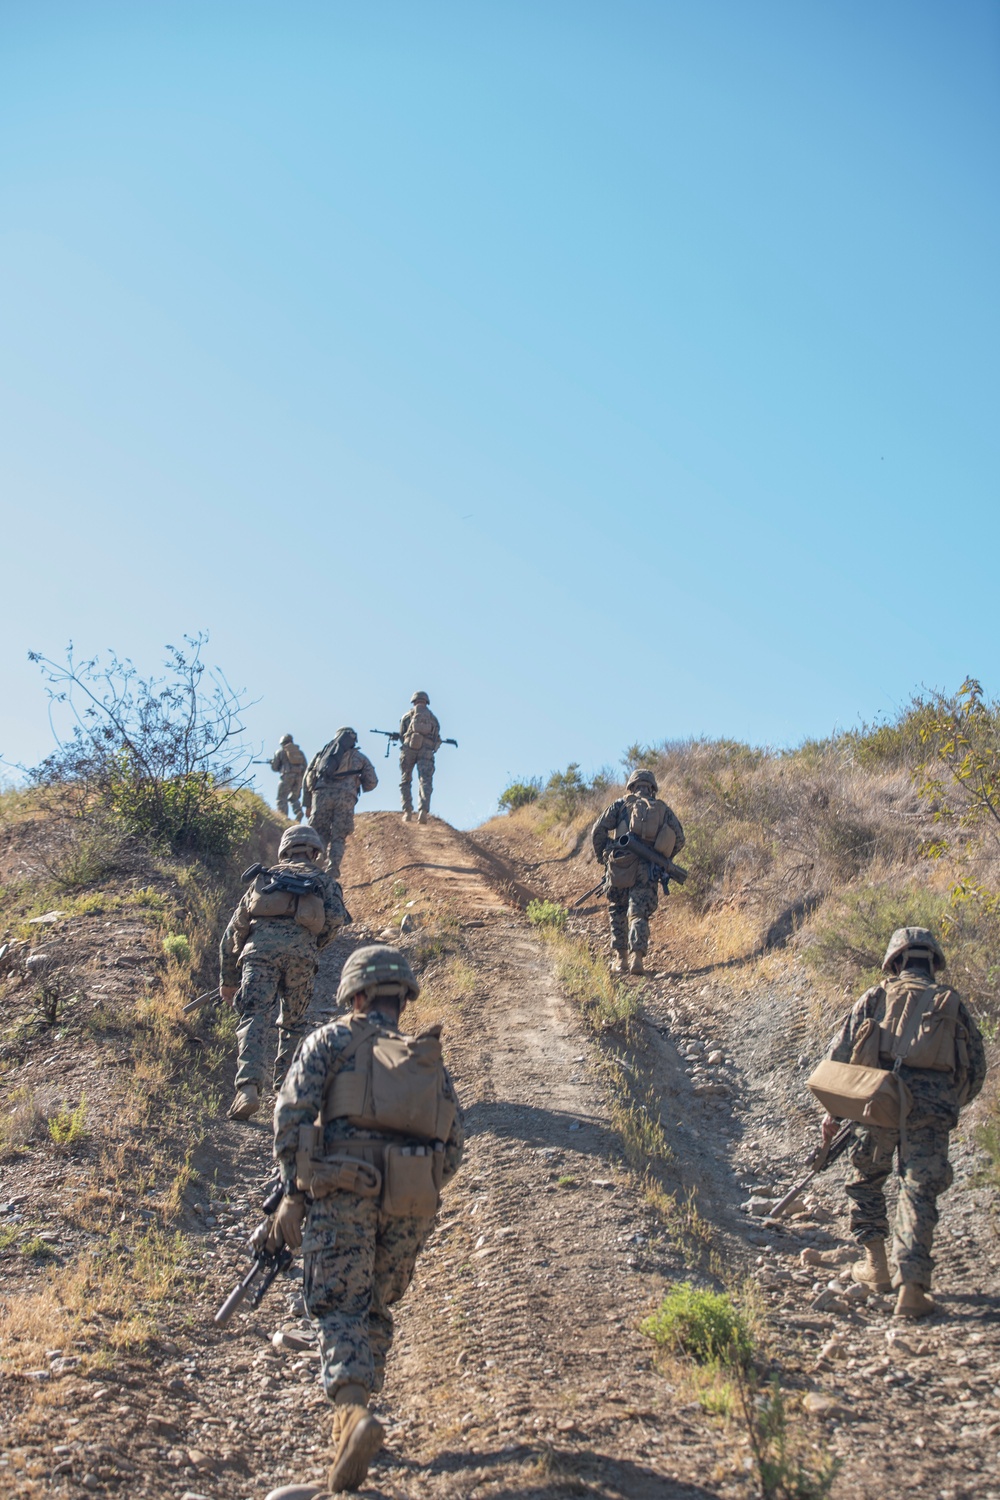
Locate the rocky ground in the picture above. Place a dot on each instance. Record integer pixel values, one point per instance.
(518, 1368)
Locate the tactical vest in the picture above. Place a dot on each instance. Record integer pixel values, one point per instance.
(647, 821)
(397, 1086)
(281, 894)
(423, 731)
(919, 1029)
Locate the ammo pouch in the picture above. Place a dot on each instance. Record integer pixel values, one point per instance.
(412, 1181)
(407, 1179)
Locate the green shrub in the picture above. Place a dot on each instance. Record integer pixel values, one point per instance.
(849, 937)
(705, 1325)
(177, 947)
(547, 914)
(520, 794)
(69, 1126)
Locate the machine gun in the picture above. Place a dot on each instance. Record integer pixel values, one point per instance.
(267, 1264)
(821, 1158)
(201, 1000)
(393, 736)
(663, 866)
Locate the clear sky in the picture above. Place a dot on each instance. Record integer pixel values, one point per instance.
(614, 371)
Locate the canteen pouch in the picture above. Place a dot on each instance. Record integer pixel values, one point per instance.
(310, 913)
(409, 1183)
(869, 1096)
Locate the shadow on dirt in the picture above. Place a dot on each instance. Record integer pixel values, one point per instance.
(556, 1472)
(542, 1127)
(777, 936)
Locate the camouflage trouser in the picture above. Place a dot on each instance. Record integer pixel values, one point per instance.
(629, 910)
(290, 786)
(333, 820)
(357, 1263)
(285, 973)
(425, 774)
(925, 1172)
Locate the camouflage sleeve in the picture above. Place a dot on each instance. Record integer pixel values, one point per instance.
(301, 1097)
(842, 1043)
(977, 1052)
(232, 944)
(675, 824)
(404, 723)
(336, 911)
(454, 1148)
(603, 826)
(369, 780)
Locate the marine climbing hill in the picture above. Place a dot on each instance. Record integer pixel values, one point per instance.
(610, 1155)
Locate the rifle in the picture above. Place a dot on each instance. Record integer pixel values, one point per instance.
(392, 736)
(821, 1158)
(267, 1264)
(664, 867)
(201, 1000)
(592, 892)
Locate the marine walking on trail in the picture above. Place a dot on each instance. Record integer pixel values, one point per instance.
(632, 879)
(367, 1131)
(269, 954)
(290, 762)
(420, 740)
(908, 1057)
(336, 777)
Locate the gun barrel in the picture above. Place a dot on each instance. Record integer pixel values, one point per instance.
(592, 892)
(201, 1000)
(236, 1296)
(663, 861)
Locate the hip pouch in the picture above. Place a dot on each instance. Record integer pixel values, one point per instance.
(869, 1096)
(411, 1182)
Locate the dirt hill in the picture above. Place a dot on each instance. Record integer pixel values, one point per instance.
(609, 1157)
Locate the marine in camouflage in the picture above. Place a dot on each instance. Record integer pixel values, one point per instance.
(631, 904)
(357, 1261)
(274, 959)
(417, 752)
(330, 805)
(290, 763)
(923, 1166)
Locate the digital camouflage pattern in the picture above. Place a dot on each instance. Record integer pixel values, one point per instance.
(290, 763)
(418, 755)
(631, 906)
(331, 805)
(924, 1169)
(357, 1261)
(274, 958)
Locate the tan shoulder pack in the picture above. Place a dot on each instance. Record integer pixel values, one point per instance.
(397, 1086)
(295, 757)
(646, 818)
(423, 731)
(918, 1029)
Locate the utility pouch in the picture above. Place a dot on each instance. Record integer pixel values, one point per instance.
(869, 1096)
(344, 1174)
(411, 1185)
(310, 913)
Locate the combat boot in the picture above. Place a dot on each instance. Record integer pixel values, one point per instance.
(421, 816)
(913, 1302)
(357, 1437)
(873, 1271)
(246, 1102)
(635, 964)
(407, 814)
(618, 961)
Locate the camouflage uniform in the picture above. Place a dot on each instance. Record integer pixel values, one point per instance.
(631, 905)
(357, 1261)
(271, 957)
(923, 1165)
(290, 762)
(421, 756)
(330, 805)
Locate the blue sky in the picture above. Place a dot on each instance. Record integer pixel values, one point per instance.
(613, 372)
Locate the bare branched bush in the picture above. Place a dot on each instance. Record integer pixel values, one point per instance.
(159, 756)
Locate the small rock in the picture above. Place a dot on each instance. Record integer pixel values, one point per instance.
(48, 917)
(603, 1182)
(819, 1405)
(759, 1208)
(90, 1482)
(715, 1058)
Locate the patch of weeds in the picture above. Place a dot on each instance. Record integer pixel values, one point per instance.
(547, 914)
(38, 1249)
(566, 1182)
(637, 1121)
(8, 1237)
(68, 1127)
(848, 938)
(177, 947)
(684, 1223)
(519, 794)
(705, 1325)
(606, 1006)
(785, 1468)
(54, 988)
(22, 1123)
(398, 890)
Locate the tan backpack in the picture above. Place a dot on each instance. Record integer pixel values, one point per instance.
(423, 730)
(646, 819)
(281, 893)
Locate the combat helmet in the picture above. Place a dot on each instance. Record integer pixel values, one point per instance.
(287, 739)
(377, 970)
(420, 697)
(300, 837)
(917, 940)
(346, 737)
(642, 778)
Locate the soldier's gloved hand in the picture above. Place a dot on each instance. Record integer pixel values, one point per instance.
(229, 993)
(286, 1226)
(828, 1128)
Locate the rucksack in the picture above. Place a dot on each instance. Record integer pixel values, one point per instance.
(423, 730)
(328, 759)
(397, 1086)
(283, 893)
